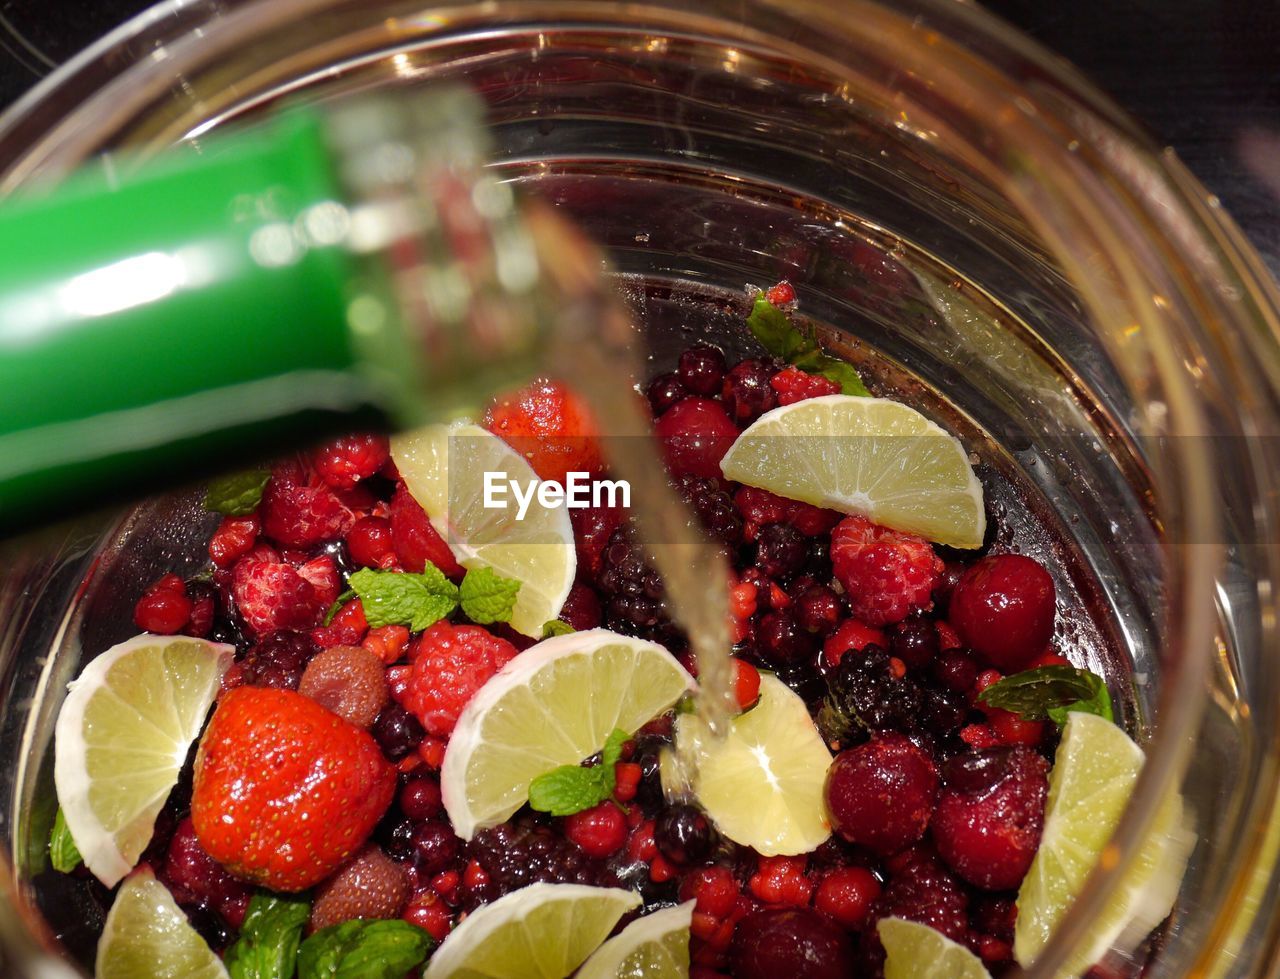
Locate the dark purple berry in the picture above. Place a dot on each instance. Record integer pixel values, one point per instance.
(664, 391)
(915, 642)
(817, 609)
(956, 670)
(714, 507)
(781, 642)
(516, 854)
(420, 798)
(684, 835)
(397, 731)
(946, 585)
(780, 550)
(795, 943)
(397, 838)
(435, 848)
(746, 391)
(702, 370)
(278, 660)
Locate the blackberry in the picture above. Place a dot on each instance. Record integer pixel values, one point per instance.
(872, 691)
(714, 507)
(780, 550)
(633, 593)
(516, 854)
(278, 659)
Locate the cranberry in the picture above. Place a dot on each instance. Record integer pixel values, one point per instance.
(369, 543)
(796, 943)
(599, 831)
(162, 612)
(880, 794)
(204, 607)
(581, 608)
(817, 609)
(780, 550)
(397, 731)
(847, 894)
(664, 391)
(915, 642)
(956, 670)
(781, 641)
(435, 848)
(746, 391)
(1003, 608)
(702, 370)
(990, 814)
(420, 798)
(695, 435)
(683, 834)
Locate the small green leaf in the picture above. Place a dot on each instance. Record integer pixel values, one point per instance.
(64, 855)
(238, 494)
(1050, 692)
(336, 607)
(404, 598)
(269, 938)
(364, 949)
(568, 789)
(612, 750)
(555, 627)
(487, 597)
(770, 326)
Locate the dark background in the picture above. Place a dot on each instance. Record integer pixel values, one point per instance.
(1202, 75)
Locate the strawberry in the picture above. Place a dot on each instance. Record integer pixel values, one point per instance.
(343, 462)
(371, 885)
(285, 791)
(349, 680)
(886, 574)
(271, 595)
(414, 539)
(548, 425)
(299, 509)
(451, 663)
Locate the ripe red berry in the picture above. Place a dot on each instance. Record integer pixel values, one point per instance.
(714, 888)
(886, 574)
(599, 831)
(791, 384)
(415, 540)
(851, 636)
(450, 665)
(299, 509)
(271, 595)
(1003, 608)
(759, 508)
(344, 462)
(551, 427)
(695, 434)
(746, 683)
(791, 942)
(847, 894)
(369, 885)
(880, 794)
(781, 294)
(781, 880)
(234, 537)
(162, 612)
(420, 798)
(369, 543)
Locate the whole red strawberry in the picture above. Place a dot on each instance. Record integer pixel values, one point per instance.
(886, 574)
(548, 425)
(285, 791)
(450, 663)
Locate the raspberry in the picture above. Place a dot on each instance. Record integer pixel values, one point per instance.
(990, 813)
(791, 384)
(370, 885)
(194, 877)
(600, 831)
(370, 543)
(759, 508)
(415, 541)
(1003, 608)
(714, 888)
(880, 794)
(847, 894)
(797, 942)
(322, 573)
(886, 575)
(349, 680)
(451, 664)
(234, 537)
(851, 636)
(204, 607)
(299, 509)
(347, 628)
(345, 461)
(695, 435)
(270, 596)
(551, 427)
(781, 880)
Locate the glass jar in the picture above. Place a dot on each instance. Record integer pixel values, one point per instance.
(981, 230)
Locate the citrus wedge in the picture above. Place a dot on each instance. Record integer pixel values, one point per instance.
(762, 784)
(1090, 785)
(543, 931)
(445, 469)
(653, 947)
(146, 936)
(916, 951)
(868, 456)
(122, 737)
(554, 704)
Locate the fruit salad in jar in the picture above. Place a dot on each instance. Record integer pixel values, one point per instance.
(394, 727)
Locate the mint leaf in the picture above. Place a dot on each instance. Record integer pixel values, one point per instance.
(364, 949)
(770, 326)
(268, 944)
(238, 494)
(336, 607)
(64, 855)
(487, 597)
(555, 627)
(572, 788)
(404, 598)
(1050, 692)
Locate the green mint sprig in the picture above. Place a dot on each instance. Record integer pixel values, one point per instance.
(64, 855)
(269, 938)
(487, 597)
(556, 627)
(1050, 692)
(237, 494)
(364, 949)
(773, 329)
(572, 788)
(421, 600)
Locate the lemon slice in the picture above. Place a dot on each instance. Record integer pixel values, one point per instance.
(444, 468)
(554, 704)
(121, 739)
(543, 931)
(146, 936)
(916, 951)
(653, 947)
(762, 784)
(1090, 785)
(867, 456)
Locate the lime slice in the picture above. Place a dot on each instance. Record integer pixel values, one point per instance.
(445, 469)
(762, 784)
(121, 739)
(916, 951)
(554, 704)
(1090, 785)
(868, 456)
(653, 947)
(146, 936)
(543, 931)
